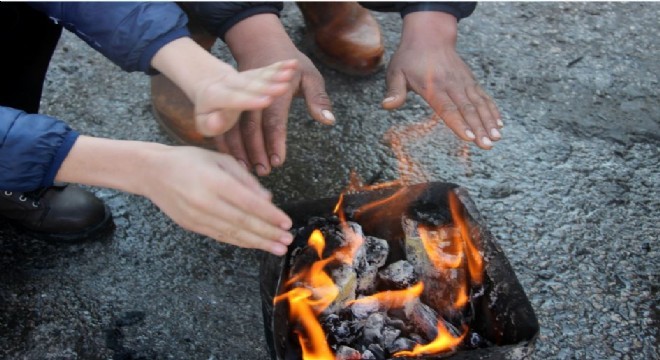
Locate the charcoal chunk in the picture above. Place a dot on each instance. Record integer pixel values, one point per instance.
(390, 335)
(377, 351)
(396, 323)
(340, 331)
(373, 328)
(361, 310)
(368, 260)
(345, 279)
(401, 344)
(443, 270)
(422, 318)
(397, 276)
(368, 355)
(347, 353)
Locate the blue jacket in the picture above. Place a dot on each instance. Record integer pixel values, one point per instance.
(33, 147)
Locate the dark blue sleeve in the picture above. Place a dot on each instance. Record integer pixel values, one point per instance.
(32, 149)
(459, 9)
(218, 17)
(127, 33)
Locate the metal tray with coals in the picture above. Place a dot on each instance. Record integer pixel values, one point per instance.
(503, 315)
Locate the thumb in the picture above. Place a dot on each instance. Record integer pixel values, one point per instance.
(396, 91)
(317, 99)
(217, 122)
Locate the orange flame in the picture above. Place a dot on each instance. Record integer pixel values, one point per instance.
(317, 292)
(444, 342)
(317, 242)
(461, 296)
(313, 344)
(441, 259)
(393, 298)
(475, 261)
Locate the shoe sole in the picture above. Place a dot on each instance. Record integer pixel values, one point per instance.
(103, 228)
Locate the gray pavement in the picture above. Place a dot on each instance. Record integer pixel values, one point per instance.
(572, 194)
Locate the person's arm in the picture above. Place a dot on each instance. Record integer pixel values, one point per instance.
(256, 37)
(260, 138)
(203, 191)
(427, 63)
(219, 92)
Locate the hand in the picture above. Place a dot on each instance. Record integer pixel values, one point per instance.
(211, 194)
(220, 100)
(259, 139)
(218, 91)
(426, 62)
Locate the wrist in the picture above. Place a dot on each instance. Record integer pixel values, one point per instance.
(434, 27)
(255, 34)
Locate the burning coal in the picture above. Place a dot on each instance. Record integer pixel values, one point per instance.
(346, 301)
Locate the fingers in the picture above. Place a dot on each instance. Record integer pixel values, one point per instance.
(251, 202)
(231, 143)
(238, 171)
(491, 106)
(272, 80)
(468, 114)
(252, 136)
(233, 226)
(484, 113)
(318, 102)
(219, 102)
(211, 194)
(396, 90)
(274, 125)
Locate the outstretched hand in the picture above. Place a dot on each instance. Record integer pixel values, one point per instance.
(211, 194)
(220, 100)
(259, 139)
(219, 92)
(426, 62)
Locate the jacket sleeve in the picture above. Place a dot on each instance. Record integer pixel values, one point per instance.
(32, 149)
(459, 9)
(218, 17)
(127, 33)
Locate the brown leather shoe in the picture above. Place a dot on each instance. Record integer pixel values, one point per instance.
(172, 108)
(344, 36)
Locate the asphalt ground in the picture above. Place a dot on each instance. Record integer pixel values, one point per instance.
(571, 193)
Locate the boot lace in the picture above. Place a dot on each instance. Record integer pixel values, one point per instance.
(34, 195)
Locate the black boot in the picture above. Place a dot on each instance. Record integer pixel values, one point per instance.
(61, 213)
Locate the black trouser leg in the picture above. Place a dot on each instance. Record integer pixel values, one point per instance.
(27, 41)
